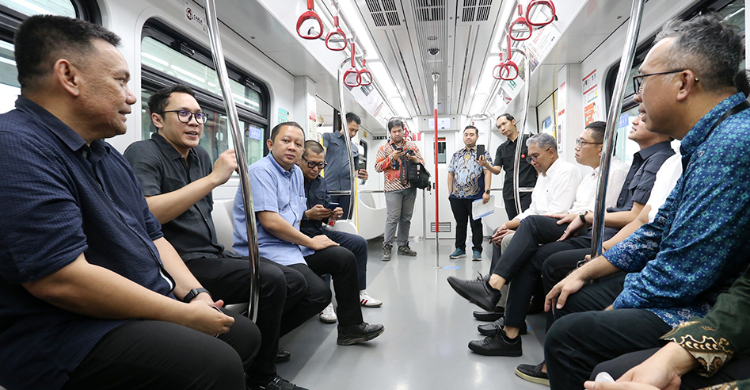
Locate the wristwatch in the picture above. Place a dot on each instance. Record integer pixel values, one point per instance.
(194, 293)
(582, 215)
(487, 192)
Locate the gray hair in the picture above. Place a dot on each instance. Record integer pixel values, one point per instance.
(543, 141)
(708, 47)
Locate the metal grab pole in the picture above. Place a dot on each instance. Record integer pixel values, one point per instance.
(435, 77)
(521, 133)
(233, 119)
(342, 113)
(615, 107)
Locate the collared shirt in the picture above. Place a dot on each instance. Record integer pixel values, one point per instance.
(316, 193)
(505, 156)
(468, 175)
(640, 180)
(665, 181)
(555, 190)
(278, 190)
(394, 171)
(161, 169)
(586, 192)
(62, 198)
(337, 157)
(699, 240)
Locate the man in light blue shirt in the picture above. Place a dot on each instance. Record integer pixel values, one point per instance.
(280, 204)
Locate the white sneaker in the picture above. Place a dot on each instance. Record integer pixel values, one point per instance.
(367, 301)
(328, 316)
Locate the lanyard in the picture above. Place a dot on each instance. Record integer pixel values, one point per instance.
(734, 110)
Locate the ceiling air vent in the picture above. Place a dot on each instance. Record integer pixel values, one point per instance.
(476, 10)
(384, 13)
(430, 10)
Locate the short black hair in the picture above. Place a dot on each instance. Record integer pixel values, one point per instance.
(597, 130)
(160, 99)
(352, 117)
(395, 122)
(313, 146)
(41, 40)
(476, 131)
(277, 128)
(507, 116)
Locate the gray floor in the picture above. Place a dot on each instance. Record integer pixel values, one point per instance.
(427, 329)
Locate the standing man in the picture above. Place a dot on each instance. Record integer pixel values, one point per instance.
(504, 158)
(337, 158)
(92, 294)
(177, 179)
(399, 194)
(467, 182)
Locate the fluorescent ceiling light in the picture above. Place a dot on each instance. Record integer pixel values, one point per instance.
(381, 76)
(486, 81)
(155, 59)
(478, 104)
(188, 74)
(505, 13)
(400, 108)
(353, 18)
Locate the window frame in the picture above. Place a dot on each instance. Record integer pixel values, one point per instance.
(11, 19)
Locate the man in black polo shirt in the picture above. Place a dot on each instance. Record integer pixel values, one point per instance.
(504, 158)
(177, 179)
(91, 292)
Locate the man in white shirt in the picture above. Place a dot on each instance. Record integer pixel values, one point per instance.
(555, 192)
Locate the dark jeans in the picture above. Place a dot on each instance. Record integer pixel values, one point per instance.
(341, 264)
(735, 370)
(281, 290)
(343, 201)
(526, 280)
(583, 335)
(510, 205)
(357, 245)
(162, 355)
(534, 230)
(462, 213)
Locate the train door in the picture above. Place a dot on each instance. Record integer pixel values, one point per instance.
(448, 142)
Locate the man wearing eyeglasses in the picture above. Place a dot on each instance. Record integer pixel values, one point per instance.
(177, 179)
(320, 212)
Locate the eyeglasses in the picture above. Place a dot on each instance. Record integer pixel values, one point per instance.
(638, 79)
(185, 116)
(532, 158)
(581, 142)
(311, 164)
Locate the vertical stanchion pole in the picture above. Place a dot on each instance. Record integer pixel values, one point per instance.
(348, 140)
(615, 107)
(237, 135)
(521, 133)
(435, 77)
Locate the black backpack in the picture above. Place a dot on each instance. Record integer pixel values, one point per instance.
(417, 175)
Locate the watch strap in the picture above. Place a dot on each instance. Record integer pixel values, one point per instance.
(583, 216)
(194, 293)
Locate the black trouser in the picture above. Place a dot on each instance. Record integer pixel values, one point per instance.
(462, 213)
(526, 280)
(343, 201)
(281, 290)
(161, 355)
(734, 370)
(341, 264)
(556, 268)
(510, 205)
(583, 335)
(534, 230)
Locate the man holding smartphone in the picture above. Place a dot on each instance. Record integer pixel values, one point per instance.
(467, 182)
(320, 210)
(337, 160)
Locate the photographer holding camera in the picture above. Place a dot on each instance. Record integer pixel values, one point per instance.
(399, 194)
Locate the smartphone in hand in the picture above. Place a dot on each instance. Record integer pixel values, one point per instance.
(332, 206)
(480, 150)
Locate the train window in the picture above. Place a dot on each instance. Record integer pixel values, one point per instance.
(441, 146)
(168, 58)
(12, 13)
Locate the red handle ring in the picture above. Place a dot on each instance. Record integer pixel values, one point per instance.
(338, 31)
(307, 16)
(520, 20)
(540, 3)
(364, 72)
(349, 72)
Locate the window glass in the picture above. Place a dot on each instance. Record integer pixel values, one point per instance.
(163, 58)
(9, 87)
(36, 7)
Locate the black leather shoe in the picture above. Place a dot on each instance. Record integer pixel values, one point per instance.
(497, 345)
(533, 373)
(493, 315)
(493, 328)
(477, 291)
(353, 334)
(283, 356)
(277, 383)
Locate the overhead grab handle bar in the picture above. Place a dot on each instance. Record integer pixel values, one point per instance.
(237, 135)
(310, 14)
(351, 77)
(365, 77)
(540, 3)
(336, 36)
